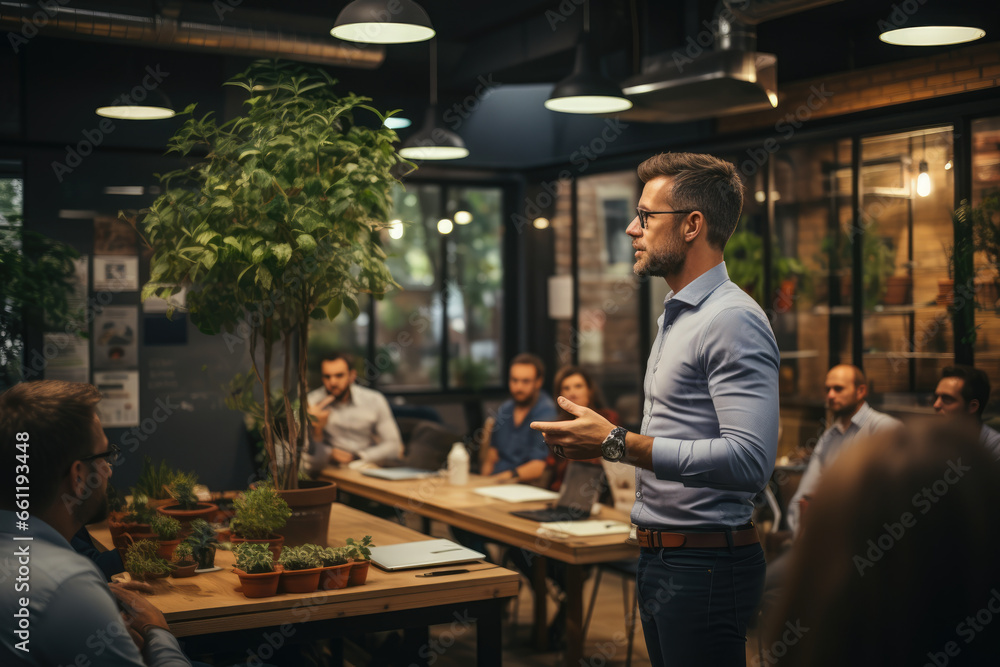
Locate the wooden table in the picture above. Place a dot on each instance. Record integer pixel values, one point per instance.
(211, 603)
(459, 506)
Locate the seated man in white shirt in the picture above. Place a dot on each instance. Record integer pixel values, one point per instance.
(964, 391)
(350, 422)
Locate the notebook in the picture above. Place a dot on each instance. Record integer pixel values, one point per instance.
(398, 473)
(580, 489)
(425, 553)
(516, 493)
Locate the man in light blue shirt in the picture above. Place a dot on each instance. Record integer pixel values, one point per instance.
(710, 420)
(853, 418)
(963, 392)
(58, 608)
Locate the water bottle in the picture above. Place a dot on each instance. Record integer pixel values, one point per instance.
(458, 465)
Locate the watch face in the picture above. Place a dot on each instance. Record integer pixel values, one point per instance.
(613, 448)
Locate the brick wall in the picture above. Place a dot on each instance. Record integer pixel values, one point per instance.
(956, 71)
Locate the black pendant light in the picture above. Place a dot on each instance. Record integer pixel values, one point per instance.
(383, 22)
(433, 142)
(586, 90)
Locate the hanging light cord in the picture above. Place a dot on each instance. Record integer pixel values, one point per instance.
(434, 76)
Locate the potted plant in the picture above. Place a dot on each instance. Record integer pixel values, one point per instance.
(361, 557)
(153, 482)
(744, 256)
(877, 260)
(186, 506)
(277, 224)
(142, 563)
(203, 542)
(183, 563)
(167, 531)
(300, 572)
(984, 219)
(336, 566)
(259, 513)
(133, 523)
(256, 570)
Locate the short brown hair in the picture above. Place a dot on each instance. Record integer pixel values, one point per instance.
(596, 400)
(531, 360)
(701, 183)
(58, 418)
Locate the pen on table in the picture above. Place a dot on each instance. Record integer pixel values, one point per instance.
(442, 573)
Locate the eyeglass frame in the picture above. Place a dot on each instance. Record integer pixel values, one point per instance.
(110, 456)
(644, 215)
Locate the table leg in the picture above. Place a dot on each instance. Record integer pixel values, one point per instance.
(489, 644)
(415, 639)
(574, 614)
(541, 612)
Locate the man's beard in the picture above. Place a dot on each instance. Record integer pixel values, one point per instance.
(88, 515)
(668, 261)
(526, 403)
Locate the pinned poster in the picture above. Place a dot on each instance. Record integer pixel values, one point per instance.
(119, 406)
(116, 343)
(67, 357)
(113, 273)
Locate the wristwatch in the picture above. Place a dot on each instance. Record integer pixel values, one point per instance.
(613, 447)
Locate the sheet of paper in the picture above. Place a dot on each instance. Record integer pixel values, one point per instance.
(120, 405)
(583, 528)
(516, 493)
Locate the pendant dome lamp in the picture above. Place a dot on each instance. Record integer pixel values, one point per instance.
(586, 90)
(383, 22)
(433, 142)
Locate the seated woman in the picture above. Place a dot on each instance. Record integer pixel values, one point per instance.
(578, 386)
(897, 563)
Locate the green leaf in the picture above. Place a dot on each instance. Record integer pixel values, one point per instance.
(282, 251)
(306, 242)
(333, 308)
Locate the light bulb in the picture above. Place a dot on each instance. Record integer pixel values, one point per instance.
(462, 217)
(445, 226)
(396, 229)
(923, 180)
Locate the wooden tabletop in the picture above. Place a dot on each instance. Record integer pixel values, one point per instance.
(212, 602)
(461, 507)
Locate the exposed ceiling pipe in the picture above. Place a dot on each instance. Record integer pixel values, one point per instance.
(753, 12)
(220, 26)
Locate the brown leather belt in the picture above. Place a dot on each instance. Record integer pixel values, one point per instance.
(656, 539)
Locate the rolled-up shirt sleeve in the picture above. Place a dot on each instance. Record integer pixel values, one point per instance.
(740, 361)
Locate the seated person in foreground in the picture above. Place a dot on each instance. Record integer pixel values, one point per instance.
(518, 453)
(74, 616)
(351, 422)
(897, 561)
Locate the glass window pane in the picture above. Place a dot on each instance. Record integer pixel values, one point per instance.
(11, 345)
(407, 351)
(986, 198)
(906, 211)
(475, 286)
(606, 336)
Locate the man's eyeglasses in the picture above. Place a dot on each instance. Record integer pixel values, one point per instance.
(644, 215)
(111, 456)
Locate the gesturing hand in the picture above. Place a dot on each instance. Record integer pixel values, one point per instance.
(578, 438)
(139, 614)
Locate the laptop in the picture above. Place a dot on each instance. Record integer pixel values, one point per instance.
(580, 489)
(395, 474)
(425, 553)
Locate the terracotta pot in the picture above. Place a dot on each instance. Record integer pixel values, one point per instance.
(274, 543)
(154, 503)
(202, 511)
(946, 292)
(898, 291)
(310, 519)
(335, 577)
(165, 550)
(183, 569)
(262, 585)
(138, 531)
(359, 572)
(300, 581)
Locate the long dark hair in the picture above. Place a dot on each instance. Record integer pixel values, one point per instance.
(596, 400)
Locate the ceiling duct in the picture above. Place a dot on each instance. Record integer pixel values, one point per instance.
(216, 27)
(719, 72)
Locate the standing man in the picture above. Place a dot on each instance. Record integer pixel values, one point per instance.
(350, 422)
(710, 420)
(51, 436)
(517, 453)
(963, 392)
(846, 391)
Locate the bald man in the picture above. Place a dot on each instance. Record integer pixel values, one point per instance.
(846, 391)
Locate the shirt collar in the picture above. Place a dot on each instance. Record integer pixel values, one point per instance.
(698, 289)
(859, 418)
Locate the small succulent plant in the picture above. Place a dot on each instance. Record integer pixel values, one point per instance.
(259, 512)
(359, 550)
(254, 557)
(181, 489)
(298, 558)
(165, 527)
